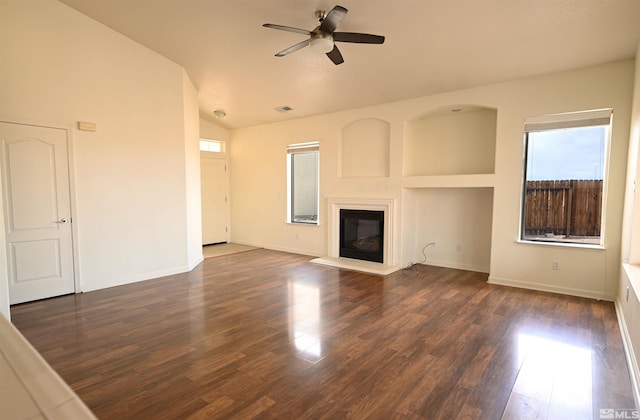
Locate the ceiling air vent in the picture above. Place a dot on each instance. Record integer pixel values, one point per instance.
(283, 108)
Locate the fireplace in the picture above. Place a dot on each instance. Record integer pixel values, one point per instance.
(387, 260)
(362, 234)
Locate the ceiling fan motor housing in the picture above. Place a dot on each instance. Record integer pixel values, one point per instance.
(321, 42)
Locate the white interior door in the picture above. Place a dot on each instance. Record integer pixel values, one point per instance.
(35, 181)
(213, 174)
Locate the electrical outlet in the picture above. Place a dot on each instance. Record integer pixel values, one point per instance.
(555, 265)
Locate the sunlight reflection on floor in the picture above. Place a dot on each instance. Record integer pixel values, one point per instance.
(555, 379)
(304, 319)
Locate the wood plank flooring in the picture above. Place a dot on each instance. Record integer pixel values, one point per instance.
(267, 334)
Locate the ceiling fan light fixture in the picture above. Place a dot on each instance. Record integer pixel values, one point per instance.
(321, 45)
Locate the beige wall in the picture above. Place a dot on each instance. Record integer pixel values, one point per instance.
(258, 167)
(130, 177)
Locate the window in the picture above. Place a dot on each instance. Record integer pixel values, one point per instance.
(564, 177)
(214, 146)
(303, 182)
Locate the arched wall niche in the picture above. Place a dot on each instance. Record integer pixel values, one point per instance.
(364, 148)
(452, 140)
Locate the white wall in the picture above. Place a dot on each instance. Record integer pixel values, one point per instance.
(369, 135)
(585, 272)
(458, 220)
(628, 296)
(258, 164)
(192, 172)
(133, 179)
(451, 143)
(211, 131)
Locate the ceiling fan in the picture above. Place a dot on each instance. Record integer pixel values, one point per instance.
(324, 36)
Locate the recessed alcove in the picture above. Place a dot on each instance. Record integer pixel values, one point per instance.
(457, 222)
(364, 148)
(454, 140)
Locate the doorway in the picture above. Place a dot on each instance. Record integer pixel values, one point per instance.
(213, 172)
(37, 211)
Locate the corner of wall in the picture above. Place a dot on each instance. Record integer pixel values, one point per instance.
(192, 171)
(4, 275)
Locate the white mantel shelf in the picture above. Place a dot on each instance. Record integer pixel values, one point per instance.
(357, 265)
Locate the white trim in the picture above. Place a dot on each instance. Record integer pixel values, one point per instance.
(296, 149)
(197, 262)
(550, 288)
(390, 257)
(595, 247)
(209, 142)
(227, 185)
(356, 265)
(582, 118)
(632, 363)
(457, 266)
(71, 164)
(151, 275)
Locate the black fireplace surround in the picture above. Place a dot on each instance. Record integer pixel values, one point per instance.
(362, 234)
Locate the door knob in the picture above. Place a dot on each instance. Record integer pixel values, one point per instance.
(63, 221)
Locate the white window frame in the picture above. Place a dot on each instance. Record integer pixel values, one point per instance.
(212, 146)
(298, 148)
(599, 117)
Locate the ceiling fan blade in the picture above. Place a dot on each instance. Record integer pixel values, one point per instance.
(293, 48)
(287, 28)
(333, 19)
(358, 38)
(335, 56)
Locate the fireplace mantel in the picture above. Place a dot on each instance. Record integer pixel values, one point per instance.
(390, 263)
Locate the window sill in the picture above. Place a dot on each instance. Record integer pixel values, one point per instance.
(303, 223)
(562, 244)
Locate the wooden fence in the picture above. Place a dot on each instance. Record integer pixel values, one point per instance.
(569, 207)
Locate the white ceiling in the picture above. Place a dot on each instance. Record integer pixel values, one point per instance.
(431, 46)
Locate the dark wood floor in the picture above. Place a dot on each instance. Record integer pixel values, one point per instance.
(267, 334)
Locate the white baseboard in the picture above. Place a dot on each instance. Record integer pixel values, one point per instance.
(632, 362)
(195, 263)
(458, 266)
(550, 288)
(134, 279)
(280, 248)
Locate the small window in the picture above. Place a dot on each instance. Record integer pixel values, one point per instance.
(563, 192)
(303, 189)
(213, 146)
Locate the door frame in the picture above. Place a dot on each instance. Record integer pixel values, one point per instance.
(224, 157)
(4, 273)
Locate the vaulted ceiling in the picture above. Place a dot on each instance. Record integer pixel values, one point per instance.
(431, 46)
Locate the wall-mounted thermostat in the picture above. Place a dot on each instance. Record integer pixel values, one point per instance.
(86, 126)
